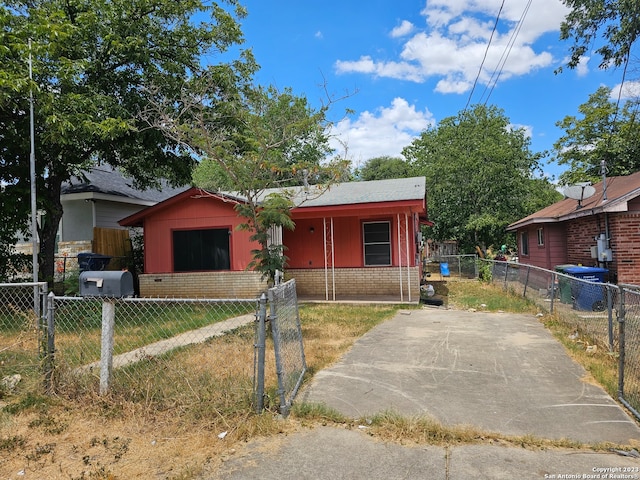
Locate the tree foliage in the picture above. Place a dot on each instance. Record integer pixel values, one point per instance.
(383, 168)
(479, 175)
(93, 62)
(270, 139)
(609, 26)
(601, 133)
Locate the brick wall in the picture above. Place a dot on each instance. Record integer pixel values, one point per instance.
(202, 285)
(624, 230)
(311, 283)
(581, 235)
(357, 282)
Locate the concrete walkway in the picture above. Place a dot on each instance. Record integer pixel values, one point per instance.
(191, 337)
(501, 373)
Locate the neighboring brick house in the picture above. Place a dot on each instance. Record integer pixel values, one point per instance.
(602, 230)
(358, 239)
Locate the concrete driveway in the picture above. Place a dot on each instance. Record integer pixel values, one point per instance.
(498, 372)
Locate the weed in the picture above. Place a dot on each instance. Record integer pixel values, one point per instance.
(12, 443)
(317, 412)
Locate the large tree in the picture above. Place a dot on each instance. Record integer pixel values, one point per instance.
(602, 133)
(95, 65)
(480, 176)
(382, 168)
(269, 139)
(609, 27)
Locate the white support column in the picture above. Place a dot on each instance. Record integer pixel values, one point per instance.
(406, 240)
(329, 258)
(400, 258)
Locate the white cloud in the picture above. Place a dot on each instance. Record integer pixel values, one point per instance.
(404, 29)
(630, 90)
(319, 35)
(528, 129)
(384, 132)
(454, 43)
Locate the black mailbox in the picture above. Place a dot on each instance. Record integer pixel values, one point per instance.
(106, 284)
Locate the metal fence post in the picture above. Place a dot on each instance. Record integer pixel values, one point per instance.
(610, 315)
(554, 278)
(260, 353)
(621, 326)
(277, 347)
(526, 282)
(50, 343)
(506, 275)
(106, 346)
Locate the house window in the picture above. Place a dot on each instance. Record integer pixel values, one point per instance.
(524, 243)
(377, 243)
(200, 250)
(540, 237)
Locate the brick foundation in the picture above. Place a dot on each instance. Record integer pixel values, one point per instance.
(202, 285)
(354, 282)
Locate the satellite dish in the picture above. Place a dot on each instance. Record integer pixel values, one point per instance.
(579, 192)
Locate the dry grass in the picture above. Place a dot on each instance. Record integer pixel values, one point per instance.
(166, 420)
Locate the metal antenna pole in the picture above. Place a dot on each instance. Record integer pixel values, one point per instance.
(32, 167)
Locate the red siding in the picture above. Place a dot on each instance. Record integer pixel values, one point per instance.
(305, 245)
(306, 249)
(571, 242)
(553, 252)
(192, 213)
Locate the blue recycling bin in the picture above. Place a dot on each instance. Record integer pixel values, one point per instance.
(587, 296)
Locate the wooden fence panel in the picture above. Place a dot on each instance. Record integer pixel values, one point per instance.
(113, 242)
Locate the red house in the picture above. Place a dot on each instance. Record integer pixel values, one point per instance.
(358, 239)
(601, 230)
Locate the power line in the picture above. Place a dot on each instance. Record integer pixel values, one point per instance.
(505, 55)
(475, 82)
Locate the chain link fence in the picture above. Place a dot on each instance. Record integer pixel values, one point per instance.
(143, 343)
(602, 315)
(629, 322)
(287, 339)
(156, 350)
(21, 339)
(462, 266)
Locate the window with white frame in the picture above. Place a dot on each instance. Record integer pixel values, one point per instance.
(377, 243)
(540, 236)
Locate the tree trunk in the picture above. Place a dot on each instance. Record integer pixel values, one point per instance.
(48, 230)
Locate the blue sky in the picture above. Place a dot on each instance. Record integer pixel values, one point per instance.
(407, 64)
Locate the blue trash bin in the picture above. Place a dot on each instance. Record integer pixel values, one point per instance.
(587, 296)
(93, 261)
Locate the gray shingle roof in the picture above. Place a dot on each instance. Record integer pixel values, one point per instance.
(352, 193)
(104, 179)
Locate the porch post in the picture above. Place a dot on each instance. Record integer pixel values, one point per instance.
(329, 258)
(400, 258)
(406, 240)
(326, 263)
(333, 264)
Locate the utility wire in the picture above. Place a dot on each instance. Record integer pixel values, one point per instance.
(495, 76)
(475, 82)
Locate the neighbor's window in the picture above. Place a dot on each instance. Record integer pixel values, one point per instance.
(198, 250)
(377, 243)
(524, 243)
(540, 236)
